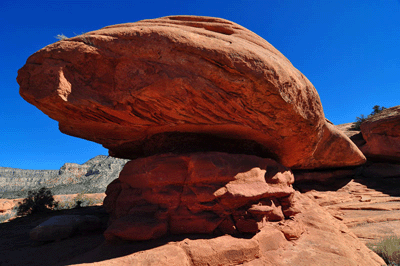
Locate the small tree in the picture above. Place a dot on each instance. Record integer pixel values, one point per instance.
(359, 120)
(377, 109)
(38, 201)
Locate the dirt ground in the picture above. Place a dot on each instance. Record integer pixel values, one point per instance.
(16, 248)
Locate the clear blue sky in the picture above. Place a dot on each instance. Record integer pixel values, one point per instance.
(349, 50)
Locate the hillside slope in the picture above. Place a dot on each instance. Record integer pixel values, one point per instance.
(92, 176)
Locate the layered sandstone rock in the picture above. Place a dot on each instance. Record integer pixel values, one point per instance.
(324, 241)
(369, 206)
(184, 84)
(382, 135)
(198, 193)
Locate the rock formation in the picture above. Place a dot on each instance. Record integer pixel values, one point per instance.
(323, 241)
(369, 206)
(382, 135)
(63, 226)
(198, 193)
(213, 117)
(91, 177)
(184, 84)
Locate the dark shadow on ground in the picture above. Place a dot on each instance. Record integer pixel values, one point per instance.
(16, 248)
(117, 249)
(387, 185)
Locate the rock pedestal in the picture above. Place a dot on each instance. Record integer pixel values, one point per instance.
(198, 193)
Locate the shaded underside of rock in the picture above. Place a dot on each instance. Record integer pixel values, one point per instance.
(180, 84)
(382, 135)
(198, 193)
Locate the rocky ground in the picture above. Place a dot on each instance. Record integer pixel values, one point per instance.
(370, 207)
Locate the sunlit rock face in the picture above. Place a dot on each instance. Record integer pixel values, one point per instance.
(382, 135)
(184, 84)
(198, 193)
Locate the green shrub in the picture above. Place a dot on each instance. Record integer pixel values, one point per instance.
(41, 200)
(359, 120)
(389, 249)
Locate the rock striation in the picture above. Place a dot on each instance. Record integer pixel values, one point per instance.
(368, 206)
(184, 84)
(91, 177)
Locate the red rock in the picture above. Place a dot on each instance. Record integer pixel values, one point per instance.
(136, 227)
(184, 84)
(363, 207)
(224, 250)
(6, 204)
(325, 241)
(382, 135)
(208, 190)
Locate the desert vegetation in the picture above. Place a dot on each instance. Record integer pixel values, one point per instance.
(81, 200)
(42, 200)
(389, 249)
(359, 120)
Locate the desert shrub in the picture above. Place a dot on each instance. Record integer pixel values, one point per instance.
(41, 200)
(64, 204)
(81, 200)
(389, 249)
(359, 120)
(61, 37)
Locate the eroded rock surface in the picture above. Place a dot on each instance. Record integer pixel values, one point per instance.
(184, 84)
(323, 241)
(382, 135)
(198, 193)
(370, 207)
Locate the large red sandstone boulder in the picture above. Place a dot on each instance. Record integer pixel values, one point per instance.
(184, 84)
(382, 135)
(198, 193)
(324, 241)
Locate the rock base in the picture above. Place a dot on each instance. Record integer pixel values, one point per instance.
(206, 193)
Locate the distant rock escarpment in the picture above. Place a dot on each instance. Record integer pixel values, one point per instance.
(90, 177)
(214, 118)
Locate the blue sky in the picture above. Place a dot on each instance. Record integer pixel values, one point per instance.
(349, 50)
